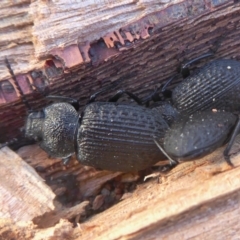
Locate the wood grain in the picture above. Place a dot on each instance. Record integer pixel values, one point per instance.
(198, 199)
(24, 195)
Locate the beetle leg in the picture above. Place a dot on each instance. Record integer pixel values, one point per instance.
(167, 93)
(184, 70)
(94, 96)
(56, 98)
(230, 143)
(119, 94)
(111, 86)
(24, 99)
(166, 168)
(172, 163)
(153, 96)
(211, 52)
(66, 160)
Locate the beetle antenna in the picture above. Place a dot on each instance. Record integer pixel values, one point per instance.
(172, 162)
(24, 100)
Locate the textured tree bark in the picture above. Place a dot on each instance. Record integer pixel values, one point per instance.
(74, 49)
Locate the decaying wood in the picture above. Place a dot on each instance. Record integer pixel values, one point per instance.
(24, 195)
(28, 231)
(198, 199)
(87, 179)
(42, 28)
(53, 218)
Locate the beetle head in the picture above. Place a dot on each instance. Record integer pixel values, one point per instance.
(54, 127)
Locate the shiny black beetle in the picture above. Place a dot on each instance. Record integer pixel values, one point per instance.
(199, 130)
(214, 86)
(119, 137)
(193, 136)
(106, 135)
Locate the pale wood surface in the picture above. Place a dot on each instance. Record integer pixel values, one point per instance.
(196, 200)
(31, 30)
(95, 18)
(34, 30)
(24, 195)
(28, 231)
(16, 37)
(90, 180)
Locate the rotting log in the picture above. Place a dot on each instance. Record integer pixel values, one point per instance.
(24, 195)
(196, 200)
(75, 54)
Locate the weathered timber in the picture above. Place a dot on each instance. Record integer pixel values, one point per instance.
(196, 200)
(29, 231)
(24, 195)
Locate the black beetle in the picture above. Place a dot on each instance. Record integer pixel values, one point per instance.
(118, 137)
(214, 86)
(193, 136)
(106, 135)
(197, 130)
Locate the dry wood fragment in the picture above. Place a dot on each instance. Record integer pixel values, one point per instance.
(87, 179)
(28, 231)
(50, 219)
(204, 191)
(23, 193)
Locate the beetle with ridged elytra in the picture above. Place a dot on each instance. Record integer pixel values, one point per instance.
(198, 130)
(106, 135)
(126, 143)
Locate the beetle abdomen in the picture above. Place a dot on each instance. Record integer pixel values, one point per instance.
(119, 137)
(213, 86)
(199, 134)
